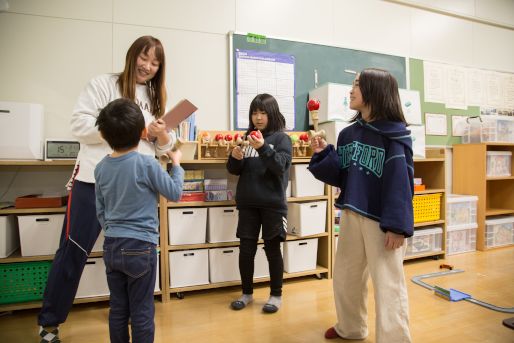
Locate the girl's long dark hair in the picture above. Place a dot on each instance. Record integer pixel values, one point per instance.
(379, 91)
(267, 103)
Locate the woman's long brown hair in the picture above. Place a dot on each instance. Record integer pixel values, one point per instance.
(156, 86)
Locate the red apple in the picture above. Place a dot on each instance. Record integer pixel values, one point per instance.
(218, 137)
(313, 104)
(304, 137)
(228, 137)
(237, 136)
(256, 134)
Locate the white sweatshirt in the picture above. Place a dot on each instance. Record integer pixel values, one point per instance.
(98, 93)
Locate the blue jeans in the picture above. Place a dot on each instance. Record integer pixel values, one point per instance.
(131, 266)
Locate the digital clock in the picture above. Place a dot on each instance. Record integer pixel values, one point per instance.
(57, 149)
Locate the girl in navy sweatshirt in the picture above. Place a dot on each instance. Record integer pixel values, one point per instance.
(263, 169)
(372, 164)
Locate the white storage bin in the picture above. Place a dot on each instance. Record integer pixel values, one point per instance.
(224, 264)
(461, 238)
(261, 268)
(304, 184)
(93, 282)
(424, 241)
(332, 129)
(99, 244)
(222, 224)
(288, 189)
(497, 129)
(40, 234)
(461, 209)
(9, 236)
(307, 218)
(300, 255)
(187, 225)
(499, 231)
(499, 163)
(334, 102)
(189, 268)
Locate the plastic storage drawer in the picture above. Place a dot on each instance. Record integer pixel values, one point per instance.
(461, 238)
(461, 209)
(424, 241)
(499, 231)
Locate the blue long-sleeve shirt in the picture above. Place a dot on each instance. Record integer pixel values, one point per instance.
(373, 166)
(127, 189)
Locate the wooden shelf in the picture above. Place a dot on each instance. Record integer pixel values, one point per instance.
(430, 191)
(435, 222)
(428, 254)
(435, 159)
(38, 304)
(498, 211)
(233, 202)
(494, 178)
(37, 163)
(200, 203)
(16, 257)
(21, 211)
(235, 243)
(318, 270)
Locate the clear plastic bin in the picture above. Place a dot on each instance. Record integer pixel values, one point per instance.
(424, 241)
(461, 209)
(499, 163)
(461, 238)
(499, 231)
(497, 129)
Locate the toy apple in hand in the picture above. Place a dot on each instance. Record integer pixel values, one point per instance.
(256, 134)
(304, 137)
(313, 105)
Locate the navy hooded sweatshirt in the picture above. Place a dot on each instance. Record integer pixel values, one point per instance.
(373, 167)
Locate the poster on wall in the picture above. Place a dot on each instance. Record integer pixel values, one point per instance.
(411, 106)
(260, 72)
(459, 124)
(436, 124)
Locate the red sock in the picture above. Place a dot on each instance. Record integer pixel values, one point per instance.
(331, 333)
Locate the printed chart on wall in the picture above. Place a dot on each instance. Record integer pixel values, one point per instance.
(260, 72)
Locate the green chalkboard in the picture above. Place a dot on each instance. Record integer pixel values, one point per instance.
(417, 83)
(329, 61)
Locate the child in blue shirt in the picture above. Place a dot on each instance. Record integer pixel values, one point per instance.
(127, 188)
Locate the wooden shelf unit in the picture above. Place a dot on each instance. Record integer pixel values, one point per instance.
(495, 194)
(432, 171)
(15, 257)
(325, 240)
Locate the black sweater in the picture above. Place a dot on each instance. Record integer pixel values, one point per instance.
(263, 173)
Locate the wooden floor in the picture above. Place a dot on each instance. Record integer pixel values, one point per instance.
(308, 310)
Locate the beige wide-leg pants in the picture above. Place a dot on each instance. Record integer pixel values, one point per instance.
(360, 253)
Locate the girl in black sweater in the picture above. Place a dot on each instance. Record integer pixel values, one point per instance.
(263, 169)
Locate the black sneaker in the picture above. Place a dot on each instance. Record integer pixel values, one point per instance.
(269, 308)
(237, 305)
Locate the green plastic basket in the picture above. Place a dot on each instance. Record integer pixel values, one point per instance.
(24, 281)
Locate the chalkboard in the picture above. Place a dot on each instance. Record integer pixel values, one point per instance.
(329, 61)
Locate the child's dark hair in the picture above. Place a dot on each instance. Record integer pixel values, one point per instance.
(379, 90)
(121, 123)
(267, 103)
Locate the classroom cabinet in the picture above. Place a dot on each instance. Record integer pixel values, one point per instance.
(472, 175)
(220, 240)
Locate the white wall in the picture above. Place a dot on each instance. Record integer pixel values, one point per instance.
(50, 49)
